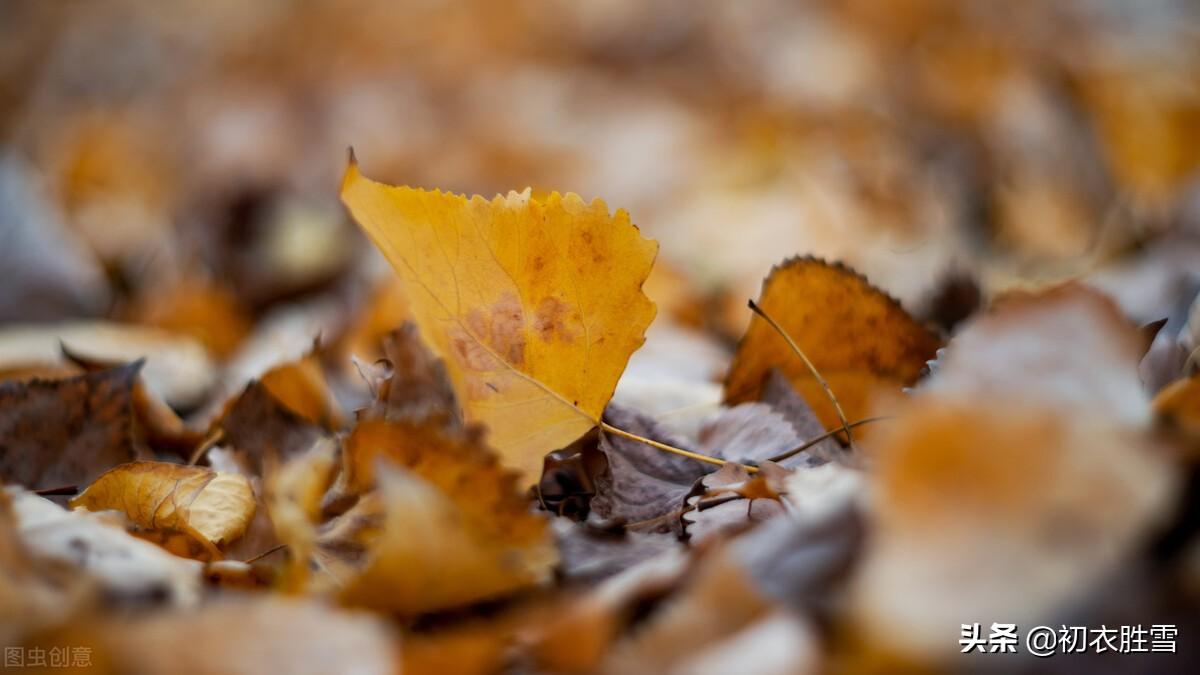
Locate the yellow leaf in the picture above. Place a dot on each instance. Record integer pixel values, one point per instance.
(212, 507)
(534, 303)
(436, 553)
(860, 340)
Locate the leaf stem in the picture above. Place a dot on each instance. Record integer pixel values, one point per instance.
(605, 426)
(809, 364)
(808, 444)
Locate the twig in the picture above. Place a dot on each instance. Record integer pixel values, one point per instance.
(65, 490)
(808, 444)
(265, 553)
(809, 364)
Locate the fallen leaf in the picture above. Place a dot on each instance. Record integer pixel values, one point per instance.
(260, 429)
(214, 508)
(301, 388)
(208, 312)
(66, 432)
(535, 304)
(435, 552)
(177, 367)
(755, 498)
(717, 599)
(748, 433)
(972, 500)
(782, 397)
(417, 387)
(860, 340)
(293, 500)
(127, 570)
(238, 636)
(1178, 405)
(1068, 347)
(578, 639)
(589, 555)
(641, 486)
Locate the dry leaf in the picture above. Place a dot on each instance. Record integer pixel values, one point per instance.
(1178, 405)
(973, 500)
(177, 367)
(89, 546)
(860, 340)
(589, 555)
(247, 636)
(640, 486)
(748, 433)
(1068, 347)
(214, 508)
(416, 388)
(300, 387)
(436, 553)
(535, 304)
(66, 432)
(212, 314)
(260, 429)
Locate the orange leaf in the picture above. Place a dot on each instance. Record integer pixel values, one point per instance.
(860, 340)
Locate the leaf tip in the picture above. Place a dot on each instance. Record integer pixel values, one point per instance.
(352, 172)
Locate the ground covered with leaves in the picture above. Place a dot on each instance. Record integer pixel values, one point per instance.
(876, 322)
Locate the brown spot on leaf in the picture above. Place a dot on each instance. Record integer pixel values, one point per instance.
(551, 320)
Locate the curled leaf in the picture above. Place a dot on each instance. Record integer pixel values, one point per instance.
(214, 508)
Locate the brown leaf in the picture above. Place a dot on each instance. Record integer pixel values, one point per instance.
(640, 484)
(1179, 406)
(589, 555)
(783, 398)
(66, 432)
(259, 428)
(748, 433)
(860, 340)
(418, 388)
(214, 508)
(440, 550)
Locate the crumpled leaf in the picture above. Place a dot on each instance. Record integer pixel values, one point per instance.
(214, 508)
(66, 432)
(860, 340)
(436, 553)
(534, 303)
